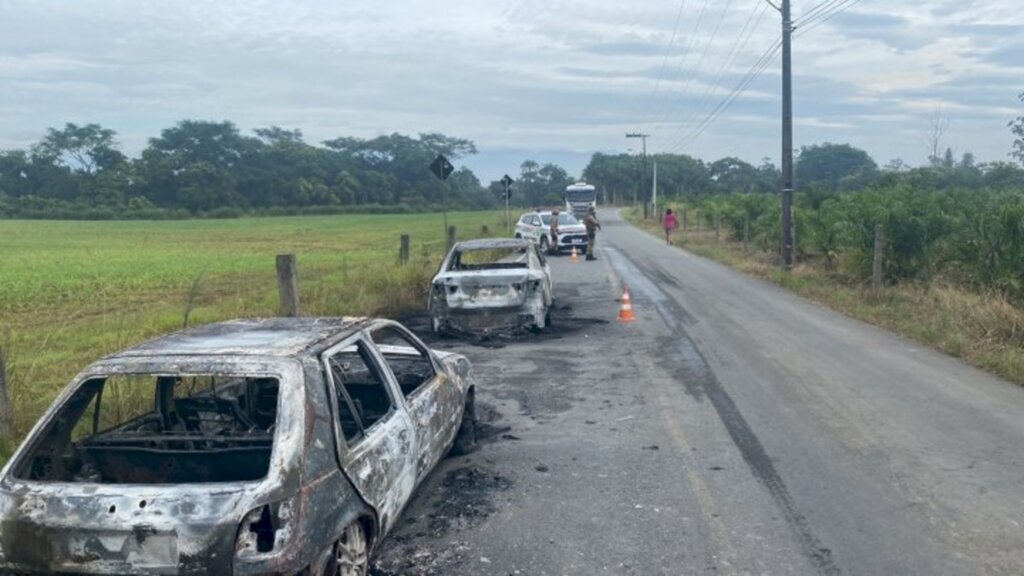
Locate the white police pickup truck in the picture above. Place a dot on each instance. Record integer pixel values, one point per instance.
(536, 227)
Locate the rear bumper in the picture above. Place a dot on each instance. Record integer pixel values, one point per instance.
(486, 321)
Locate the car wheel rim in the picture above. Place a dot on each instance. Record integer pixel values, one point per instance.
(350, 554)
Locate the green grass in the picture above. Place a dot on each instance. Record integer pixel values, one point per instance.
(71, 292)
(982, 328)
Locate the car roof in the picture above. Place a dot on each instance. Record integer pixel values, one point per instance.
(490, 243)
(248, 337)
(546, 213)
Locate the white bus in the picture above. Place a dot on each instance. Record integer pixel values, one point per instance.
(579, 198)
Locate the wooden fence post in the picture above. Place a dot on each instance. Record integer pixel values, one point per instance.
(485, 230)
(287, 285)
(684, 220)
(718, 227)
(451, 237)
(746, 234)
(403, 249)
(5, 399)
(876, 264)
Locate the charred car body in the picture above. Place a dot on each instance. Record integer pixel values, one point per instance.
(491, 285)
(284, 446)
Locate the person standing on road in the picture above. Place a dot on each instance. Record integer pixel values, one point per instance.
(553, 245)
(670, 225)
(592, 227)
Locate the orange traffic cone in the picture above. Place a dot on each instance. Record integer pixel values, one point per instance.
(626, 307)
(575, 257)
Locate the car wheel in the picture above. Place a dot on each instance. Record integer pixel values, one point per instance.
(351, 553)
(465, 439)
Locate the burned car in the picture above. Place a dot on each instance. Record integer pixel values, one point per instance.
(491, 285)
(280, 446)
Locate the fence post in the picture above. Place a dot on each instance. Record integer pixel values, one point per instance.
(746, 234)
(287, 285)
(718, 227)
(451, 237)
(5, 399)
(684, 220)
(5, 415)
(403, 249)
(876, 264)
(485, 230)
(700, 224)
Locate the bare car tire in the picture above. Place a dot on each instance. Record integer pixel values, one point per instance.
(465, 439)
(351, 553)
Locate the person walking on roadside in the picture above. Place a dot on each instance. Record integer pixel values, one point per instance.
(670, 225)
(553, 245)
(592, 227)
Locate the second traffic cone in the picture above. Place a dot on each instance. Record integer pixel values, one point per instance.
(575, 257)
(626, 307)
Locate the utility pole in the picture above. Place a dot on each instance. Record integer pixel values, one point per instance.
(643, 176)
(787, 246)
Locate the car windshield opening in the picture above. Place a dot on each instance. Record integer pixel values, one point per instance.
(157, 429)
(492, 258)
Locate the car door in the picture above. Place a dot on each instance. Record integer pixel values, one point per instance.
(432, 402)
(376, 439)
(545, 267)
(523, 226)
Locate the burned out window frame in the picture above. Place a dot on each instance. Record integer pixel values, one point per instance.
(376, 362)
(47, 421)
(417, 345)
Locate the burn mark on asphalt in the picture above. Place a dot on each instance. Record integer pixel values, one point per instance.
(563, 323)
(742, 435)
(463, 500)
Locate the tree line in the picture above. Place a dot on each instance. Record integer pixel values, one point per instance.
(201, 168)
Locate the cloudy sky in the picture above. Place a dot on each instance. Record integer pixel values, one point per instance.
(553, 80)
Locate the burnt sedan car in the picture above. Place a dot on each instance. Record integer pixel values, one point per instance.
(281, 446)
(491, 285)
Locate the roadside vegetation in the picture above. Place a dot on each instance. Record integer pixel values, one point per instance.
(72, 292)
(953, 264)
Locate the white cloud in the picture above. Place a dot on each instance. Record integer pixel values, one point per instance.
(557, 76)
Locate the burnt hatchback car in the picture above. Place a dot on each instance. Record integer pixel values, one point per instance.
(281, 446)
(491, 285)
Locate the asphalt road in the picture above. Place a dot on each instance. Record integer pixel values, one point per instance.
(733, 428)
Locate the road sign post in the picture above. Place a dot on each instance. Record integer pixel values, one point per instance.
(507, 183)
(442, 168)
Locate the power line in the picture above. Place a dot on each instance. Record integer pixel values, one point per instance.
(807, 16)
(700, 62)
(686, 51)
(842, 7)
(737, 48)
(755, 72)
(664, 63)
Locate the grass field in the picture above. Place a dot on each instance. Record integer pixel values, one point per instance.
(982, 328)
(71, 292)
